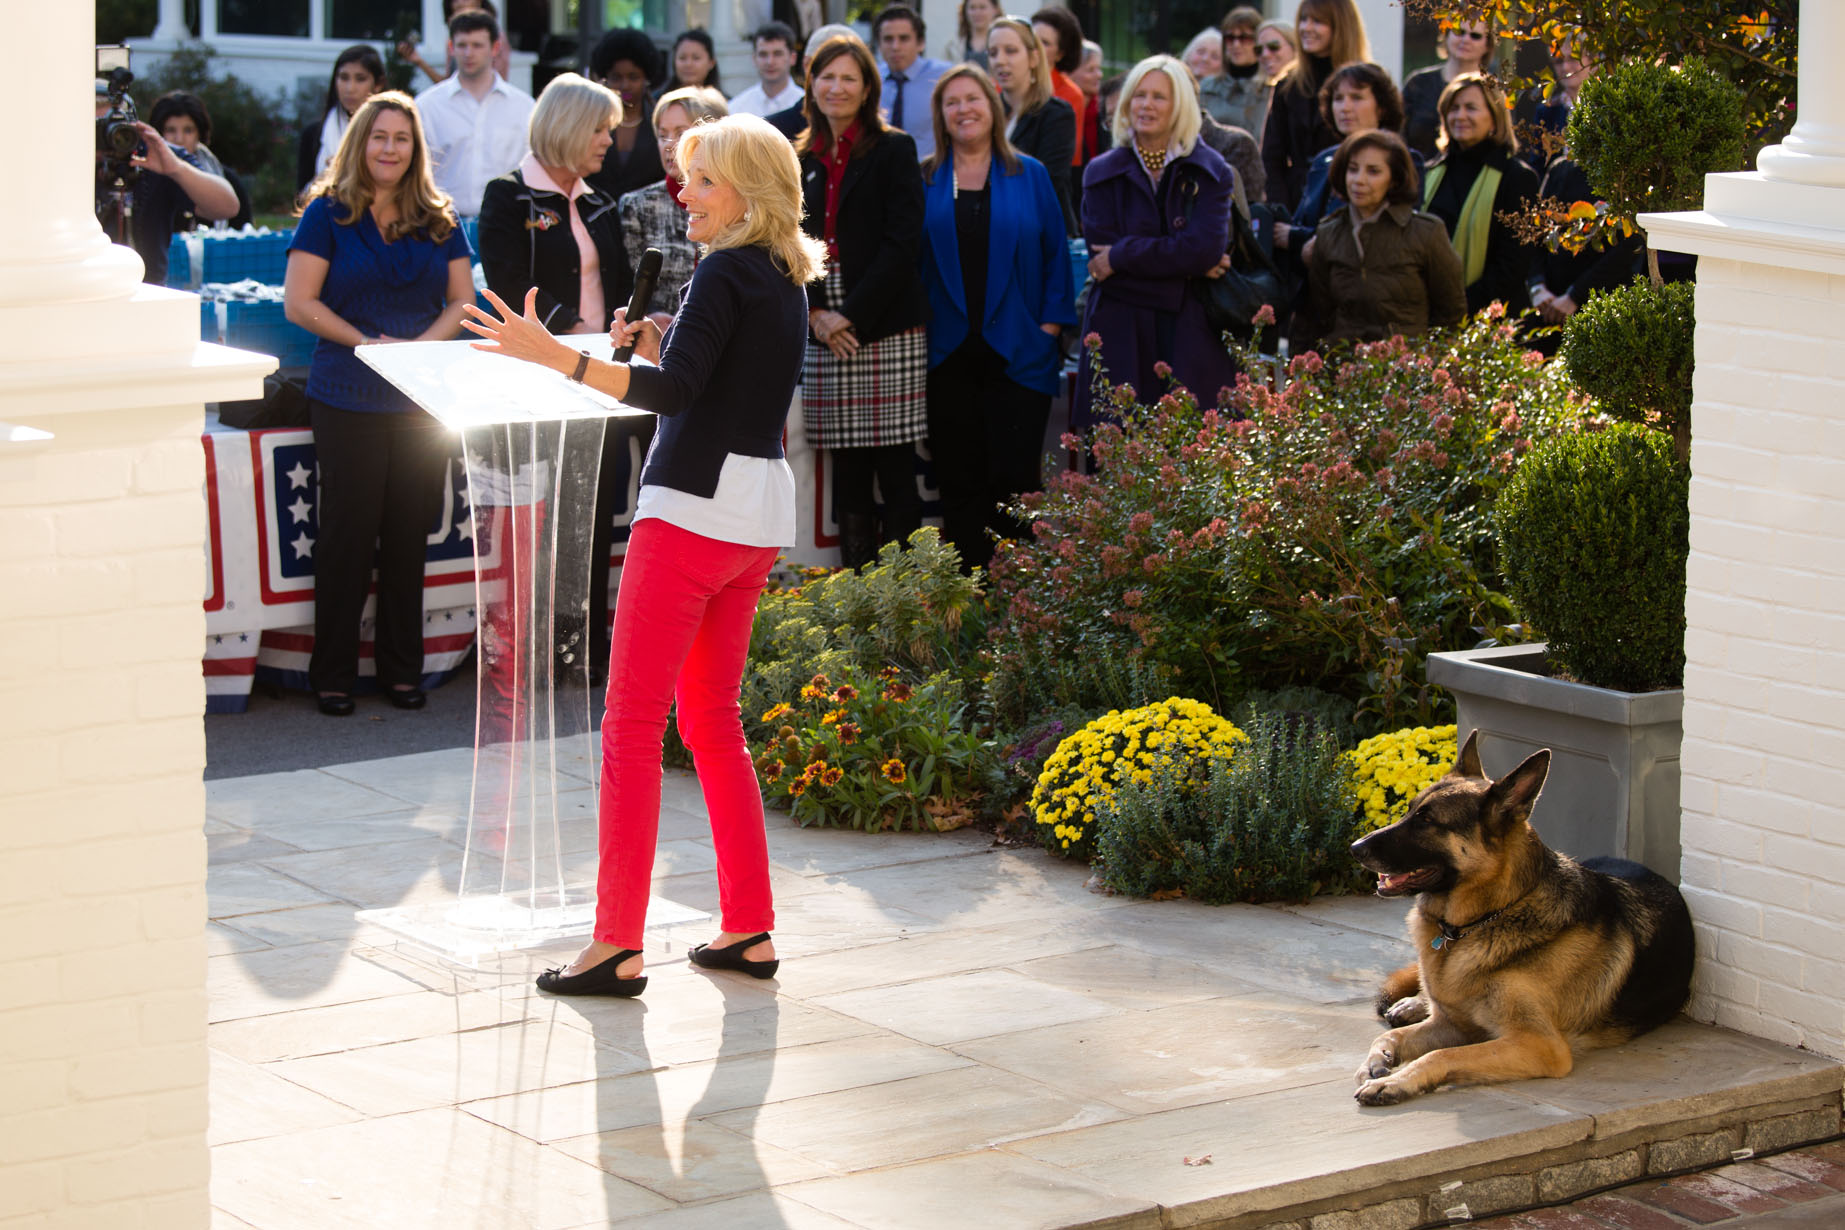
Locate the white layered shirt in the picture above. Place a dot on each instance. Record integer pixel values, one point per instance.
(473, 140)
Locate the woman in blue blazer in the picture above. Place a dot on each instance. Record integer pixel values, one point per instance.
(996, 266)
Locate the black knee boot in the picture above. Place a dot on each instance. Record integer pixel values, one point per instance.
(858, 539)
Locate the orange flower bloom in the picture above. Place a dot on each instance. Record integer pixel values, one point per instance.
(894, 771)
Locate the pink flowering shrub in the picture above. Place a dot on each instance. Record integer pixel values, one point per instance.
(1331, 532)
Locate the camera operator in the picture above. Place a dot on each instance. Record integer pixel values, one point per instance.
(169, 183)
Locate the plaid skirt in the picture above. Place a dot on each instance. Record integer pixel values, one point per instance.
(875, 398)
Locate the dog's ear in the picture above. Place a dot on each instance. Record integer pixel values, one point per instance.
(1467, 764)
(1510, 799)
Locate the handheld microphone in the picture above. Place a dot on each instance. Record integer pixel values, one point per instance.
(646, 277)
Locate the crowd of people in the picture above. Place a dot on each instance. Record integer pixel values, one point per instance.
(888, 233)
(942, 192)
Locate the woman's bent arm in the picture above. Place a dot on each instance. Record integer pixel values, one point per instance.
(306, 275)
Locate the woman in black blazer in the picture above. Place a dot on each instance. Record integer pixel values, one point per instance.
(627, 62)
(1041, 124)
(863, 393)
(545, 226)
(358, 73)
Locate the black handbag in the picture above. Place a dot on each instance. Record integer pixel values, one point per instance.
(1233, 300)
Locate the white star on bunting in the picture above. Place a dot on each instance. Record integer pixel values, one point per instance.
(298, 476)
(303, 545)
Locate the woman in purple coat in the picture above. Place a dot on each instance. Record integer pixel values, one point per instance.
(1156, 213)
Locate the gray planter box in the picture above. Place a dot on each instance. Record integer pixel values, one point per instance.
(1613, 786)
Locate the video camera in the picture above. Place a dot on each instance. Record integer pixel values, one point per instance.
(117, 140)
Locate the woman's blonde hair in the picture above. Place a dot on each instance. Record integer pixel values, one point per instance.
(1350, 44)
(1493, 93)
(699, 102)
(1187, 120)
(421, 206)
(1039, 91)
(746, 153)
(1288, 36)
(569, 113)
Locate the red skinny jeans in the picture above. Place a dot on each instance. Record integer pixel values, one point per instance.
(682, 629)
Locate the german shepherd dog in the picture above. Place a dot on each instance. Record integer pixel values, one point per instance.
(1523, 955)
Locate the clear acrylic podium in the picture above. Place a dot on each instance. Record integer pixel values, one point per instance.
(533, 445)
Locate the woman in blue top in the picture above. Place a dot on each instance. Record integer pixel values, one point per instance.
(376, 257)
(996, 266)
(717, 502)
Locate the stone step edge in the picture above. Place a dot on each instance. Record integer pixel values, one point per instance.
(1550, 1176)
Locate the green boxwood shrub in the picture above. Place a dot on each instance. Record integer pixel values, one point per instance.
(1593, 537)
(1274, 822)
(1646, 133)
(1631, 349)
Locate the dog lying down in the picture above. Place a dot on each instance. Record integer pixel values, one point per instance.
(1524, 956)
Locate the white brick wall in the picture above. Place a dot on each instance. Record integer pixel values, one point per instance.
(1764, 755)
(102, 853)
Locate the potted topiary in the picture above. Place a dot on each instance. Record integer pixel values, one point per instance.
(1593, 535)
(1592, 531)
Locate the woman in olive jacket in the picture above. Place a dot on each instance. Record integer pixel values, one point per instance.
(1379, 266)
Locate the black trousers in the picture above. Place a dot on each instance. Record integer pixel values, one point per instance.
(894, 468)
(986, 433)
(612, 482)
(380, 491)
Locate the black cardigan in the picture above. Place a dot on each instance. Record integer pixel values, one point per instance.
(1048, 133)
(1295, 131)
(643, 167)
(1581, 274)
(879, 233)
(1508, 258)
(727, 370)
(525, 241)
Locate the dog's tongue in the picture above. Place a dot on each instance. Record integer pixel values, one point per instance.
(1388, 882)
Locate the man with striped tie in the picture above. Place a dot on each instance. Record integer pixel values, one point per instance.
(909, 75)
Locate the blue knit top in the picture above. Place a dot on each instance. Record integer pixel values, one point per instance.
(728, 367)
(396, 289)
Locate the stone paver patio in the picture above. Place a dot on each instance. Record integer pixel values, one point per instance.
(960, 1036)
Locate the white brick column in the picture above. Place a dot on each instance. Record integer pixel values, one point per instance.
(102, 855)
(1763, 785)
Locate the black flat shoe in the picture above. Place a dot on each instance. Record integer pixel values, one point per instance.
(598, 979)
(731, 957)
(408, 698)
(335, 704)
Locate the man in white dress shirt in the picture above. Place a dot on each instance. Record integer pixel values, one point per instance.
(909, 75)
(475, 121)
(776, 88)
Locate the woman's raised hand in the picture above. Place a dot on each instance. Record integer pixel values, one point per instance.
(514, 335)
(644, 335)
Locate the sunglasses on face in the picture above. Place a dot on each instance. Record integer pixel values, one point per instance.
(1478, 36)
(1239, 37)
(1271, 48)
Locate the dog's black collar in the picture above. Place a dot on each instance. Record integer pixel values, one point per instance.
(1449, 933)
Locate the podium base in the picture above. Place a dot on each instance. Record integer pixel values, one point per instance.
(472, 929)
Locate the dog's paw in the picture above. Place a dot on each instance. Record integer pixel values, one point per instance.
(1376, 1065)
(1409, 1010)
(1387, 1092)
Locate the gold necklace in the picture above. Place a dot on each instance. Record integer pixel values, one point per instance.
(1153, 160)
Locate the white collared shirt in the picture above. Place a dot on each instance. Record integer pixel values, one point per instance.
(472, 141)
(754, 101)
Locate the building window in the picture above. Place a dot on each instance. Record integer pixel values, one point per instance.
(286, 18)
(371, 19)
